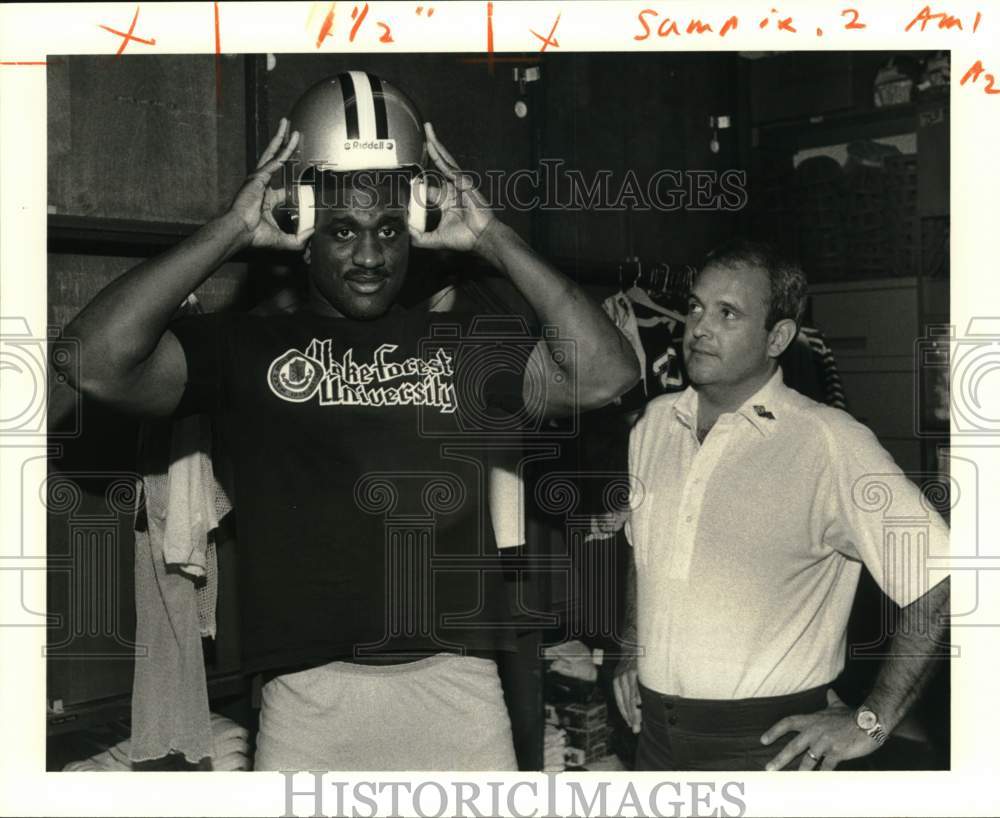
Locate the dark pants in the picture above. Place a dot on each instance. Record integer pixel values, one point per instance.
(708, 734)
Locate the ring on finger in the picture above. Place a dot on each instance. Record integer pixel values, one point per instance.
(812, 756)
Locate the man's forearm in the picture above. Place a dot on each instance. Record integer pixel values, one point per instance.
(121, 326)
(604, 361)
(914, 649)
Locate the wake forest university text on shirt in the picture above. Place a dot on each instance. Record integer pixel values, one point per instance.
(296, 376)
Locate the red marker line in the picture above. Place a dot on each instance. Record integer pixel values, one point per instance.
(218, 36)
(324, 31)
(27, 62)
(218, 54)
(489, 36)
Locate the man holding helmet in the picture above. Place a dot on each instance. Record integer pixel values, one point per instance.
(369, 587)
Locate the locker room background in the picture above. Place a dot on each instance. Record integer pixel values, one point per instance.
(144, 149)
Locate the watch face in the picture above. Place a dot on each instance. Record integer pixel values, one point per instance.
(866, 719)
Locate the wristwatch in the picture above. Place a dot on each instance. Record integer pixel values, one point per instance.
(867, 720)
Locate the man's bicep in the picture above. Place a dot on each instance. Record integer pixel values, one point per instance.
(546, 388)
(873, 498)
(155, 388)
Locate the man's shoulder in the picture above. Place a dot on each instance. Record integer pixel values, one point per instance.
(834, 426)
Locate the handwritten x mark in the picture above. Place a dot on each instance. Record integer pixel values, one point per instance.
(550, 40)
(126, 36)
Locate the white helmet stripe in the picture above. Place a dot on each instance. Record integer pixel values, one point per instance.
(365, 102)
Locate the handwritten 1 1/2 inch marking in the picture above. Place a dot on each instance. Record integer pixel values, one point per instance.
(358, 15)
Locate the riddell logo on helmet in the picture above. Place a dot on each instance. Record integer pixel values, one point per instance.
(380, 145)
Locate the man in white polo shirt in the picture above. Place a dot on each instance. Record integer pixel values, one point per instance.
(753, 510)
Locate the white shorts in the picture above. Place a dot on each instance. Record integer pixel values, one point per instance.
(444, 712)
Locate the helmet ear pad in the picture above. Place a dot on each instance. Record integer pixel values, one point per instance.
(304, 196)
(424, 212)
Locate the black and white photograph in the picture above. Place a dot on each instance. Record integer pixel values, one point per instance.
(498, 412)
(498, 421)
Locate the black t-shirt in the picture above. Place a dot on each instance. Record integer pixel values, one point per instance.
(359, 477)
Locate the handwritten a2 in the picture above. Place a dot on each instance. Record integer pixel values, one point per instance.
(975, 72)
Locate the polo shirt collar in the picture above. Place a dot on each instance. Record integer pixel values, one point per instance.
(762, 409)
(686, 408)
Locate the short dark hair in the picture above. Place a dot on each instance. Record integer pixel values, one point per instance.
(788, 282)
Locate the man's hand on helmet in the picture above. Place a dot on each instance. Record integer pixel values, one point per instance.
(256, 200)
(464, 212)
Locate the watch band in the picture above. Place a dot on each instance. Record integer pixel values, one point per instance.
(878, 734)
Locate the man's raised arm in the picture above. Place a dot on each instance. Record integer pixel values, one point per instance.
(603, 365)
(125, 356)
